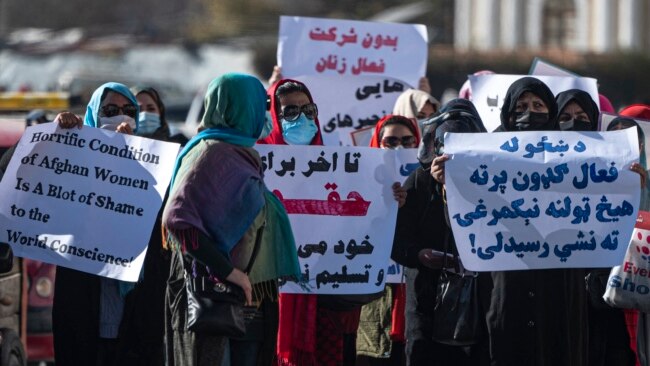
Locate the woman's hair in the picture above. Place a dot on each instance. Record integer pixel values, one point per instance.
(397, 120)
(163, 132)
(290, 87)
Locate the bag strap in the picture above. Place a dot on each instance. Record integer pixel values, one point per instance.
(251, 261)
(448, 238)
(256, 248)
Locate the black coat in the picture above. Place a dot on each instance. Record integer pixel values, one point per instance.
(537, 317)
(75, 313)
(421, 224)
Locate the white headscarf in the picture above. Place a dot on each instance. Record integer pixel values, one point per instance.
(410, 102)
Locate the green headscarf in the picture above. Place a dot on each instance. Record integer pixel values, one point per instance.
(237, 102)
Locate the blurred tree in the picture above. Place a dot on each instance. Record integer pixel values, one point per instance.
(214, 19)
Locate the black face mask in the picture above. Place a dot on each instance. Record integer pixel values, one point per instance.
(530, 121)
(575, 125)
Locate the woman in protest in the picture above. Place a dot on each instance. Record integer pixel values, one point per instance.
(608, 338)
(294, 115)
(87, 309)
(421, 235)
(220, 216)
(142, 329)
(577, 111)
(534, 317)
(310, 332)
(381, 334)
(293, 120)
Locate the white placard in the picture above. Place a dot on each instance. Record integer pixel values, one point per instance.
(342, 212)
(407, 160)
(540, 67)
(605, 120)
(85, 199)
(351, 48)
(346, 105)
(488, 92)
(531, 200)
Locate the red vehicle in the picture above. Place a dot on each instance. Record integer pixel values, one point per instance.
(40, 293)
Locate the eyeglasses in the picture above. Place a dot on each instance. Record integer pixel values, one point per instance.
(292, 112)
(394, 141)
(112, 110)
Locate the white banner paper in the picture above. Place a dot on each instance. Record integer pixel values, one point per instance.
(541, 67)
(84, 199)
(407, 160)
(333, 47)
(342, 212)
(532, 200)
(488, 92)
(644, 136)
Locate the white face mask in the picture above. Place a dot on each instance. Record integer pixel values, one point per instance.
(111, 123)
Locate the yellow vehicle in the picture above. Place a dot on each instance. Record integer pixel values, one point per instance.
(27, 101)
(15, 108)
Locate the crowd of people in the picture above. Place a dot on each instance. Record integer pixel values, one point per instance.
(220, 224)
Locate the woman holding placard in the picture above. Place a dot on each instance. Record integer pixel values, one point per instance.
(535, 317)
(87, 309)
(423, 237)
(608, 338)
(381, 334)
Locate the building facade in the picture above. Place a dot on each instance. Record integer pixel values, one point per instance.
(586, 26)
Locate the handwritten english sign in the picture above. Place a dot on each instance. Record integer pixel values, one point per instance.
(332, 47)
(489, 91)
(342, 212)
(84, 199)
(534, 200)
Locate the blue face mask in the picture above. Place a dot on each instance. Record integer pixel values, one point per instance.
(299, 132)
(148, 123)
(268, 126)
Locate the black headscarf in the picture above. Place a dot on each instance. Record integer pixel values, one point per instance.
(583, 99)
(162, 133)
(519, 87)
(458, 115)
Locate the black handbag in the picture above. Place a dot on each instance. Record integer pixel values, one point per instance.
(457, 317)
(217, 308)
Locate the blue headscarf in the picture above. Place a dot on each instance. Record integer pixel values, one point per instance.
(92, 110)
